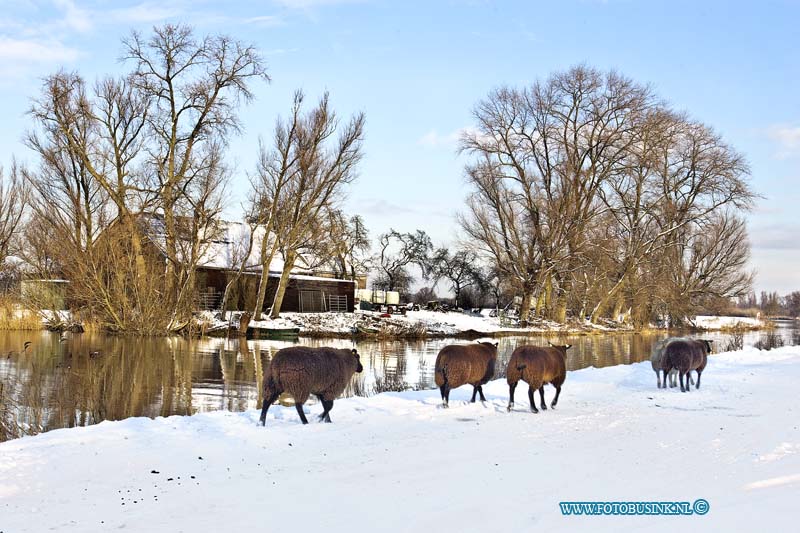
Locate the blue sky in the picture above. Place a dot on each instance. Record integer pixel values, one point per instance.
(417, 68)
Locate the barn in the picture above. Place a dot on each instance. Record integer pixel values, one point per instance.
(304, 293)
(312, 288)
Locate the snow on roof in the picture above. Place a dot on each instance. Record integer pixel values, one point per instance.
(227, 248)
(318, 278)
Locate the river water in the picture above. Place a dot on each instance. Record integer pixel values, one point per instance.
(87, 378)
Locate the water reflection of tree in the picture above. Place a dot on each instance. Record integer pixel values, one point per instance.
(239, 373)
(87, 379)
(9, 428)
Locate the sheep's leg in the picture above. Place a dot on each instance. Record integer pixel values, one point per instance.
(480, 391)
(474, 393)
(446, 395)
(541, 395)
(555, 400)
(299, 407)
(511, 388)
(681, 379)
(265, 407)
(324, 407)
(441, 389)
(327, 405)
(531, 388)
(658, 378)
(689, 378)
(698, 379)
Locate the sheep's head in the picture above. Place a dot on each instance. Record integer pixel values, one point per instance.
(492, 345)
(708, 344)
(563, 349)
(359, 368)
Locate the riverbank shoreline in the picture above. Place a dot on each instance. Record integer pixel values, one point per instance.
(437, 325)
(398, 462)
(414, 325)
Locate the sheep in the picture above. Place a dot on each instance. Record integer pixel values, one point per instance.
(459, 364)
(685, 356)
(537, 365)
(302, 371)
(657, 361)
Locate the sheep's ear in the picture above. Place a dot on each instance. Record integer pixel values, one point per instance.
(354, 351)
(496, 344)
(568, 346)
(551, 344)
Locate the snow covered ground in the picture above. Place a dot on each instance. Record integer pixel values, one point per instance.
(412, 324)
(726, 322)
(397, 462)
(447, 324)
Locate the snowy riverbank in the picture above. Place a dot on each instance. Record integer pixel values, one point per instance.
(396, 462)
(420, 324)
(414, 324)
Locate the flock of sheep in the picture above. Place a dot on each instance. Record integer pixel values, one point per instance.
(325, 372)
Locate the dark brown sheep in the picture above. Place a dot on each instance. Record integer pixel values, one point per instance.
(536, 366)
(302, 371)
(657, 362)
(461, 364)
(685, 356)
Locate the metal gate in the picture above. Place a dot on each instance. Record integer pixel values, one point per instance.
(337, 303)
(312, 302)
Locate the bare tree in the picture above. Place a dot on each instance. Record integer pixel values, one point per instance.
(276, 168)
(554, 146)
(13, 202)
(397, 252)
(240, 255)
(302, 179)
(142, 154)
(348, 246)
(497, 225)
(677, 177)
(459, 268)
(582, 181)
(194, 88)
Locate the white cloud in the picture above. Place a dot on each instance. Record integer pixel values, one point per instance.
(782, 236)
(379, 206)
(434, 139)
(145, 12)
(307, 4)
(787, 139)
(75, 18)
(264, 20)
(34, 50)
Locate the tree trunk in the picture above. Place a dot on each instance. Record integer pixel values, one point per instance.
(560, 314)
(618, 308)
(540, 302)
(171, 248)
(238, 274)
(525, 306)
(136, 245)
(548, 297)
(287, 269)
(597, 312)
(266, 259)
